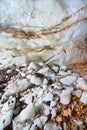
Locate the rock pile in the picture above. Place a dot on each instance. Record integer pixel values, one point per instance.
(42, 97)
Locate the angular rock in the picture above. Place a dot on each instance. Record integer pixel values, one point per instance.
(83, 98)
(77, 93)
(68, 80)
(65, 97)
(81, 84)
(36, 80)
(18, 86)
(52, 126)
(48, 97)
(6, 113)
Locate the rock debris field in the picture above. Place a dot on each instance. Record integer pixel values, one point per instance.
(39, 96)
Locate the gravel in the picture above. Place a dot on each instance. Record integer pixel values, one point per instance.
(42, 97)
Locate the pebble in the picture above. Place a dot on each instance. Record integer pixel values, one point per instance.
(52, 126)
(77, 93)
(83, 98)
(28, 99)
(55, 68)
(56, 86)
(45, 81)
(32, 66)
(43, 119)
(49, 97)
(9, 71)
(36, 80)
(53, 113)
(81, 84)
(79, 122)
(68, 80)
(63, 67)
(37, 122)
(53, 103)
(62, 73)
(47, 111)
(44, 71)
(65, 97)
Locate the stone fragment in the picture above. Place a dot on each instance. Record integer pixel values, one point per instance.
(18, 86)
(83, 98)
(63, 67)
(53, 113)
(6, 113)
(81, 84)
(53, 103)
(52, 126)
(36, 80)
(65, 97)
(28, 112)
(68, 80)
(43, 119)
(77, 93)
(49, 97)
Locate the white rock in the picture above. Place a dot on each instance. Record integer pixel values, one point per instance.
(32, 66)
(83, 98)
(28, 112)
(28, 99)
(49, 97)
(18, 86)
(53, 103)
(68, 80)
(45, 81)
(81, 84)
(46, 111)
(9, 71)
(22, 74)
(43, 119)
(28, 76)
(57, 86)
(63, 73)
(36, 80)
(79, 122)
(40, 93)
(55, 68)
(53, 113)
(77, 93)
(44, 71)
(52, 77)
(6, 113)
(65, 97)
(52, 126)
(19, 62)
(63, 67)
(37, 122)
(33, 127)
